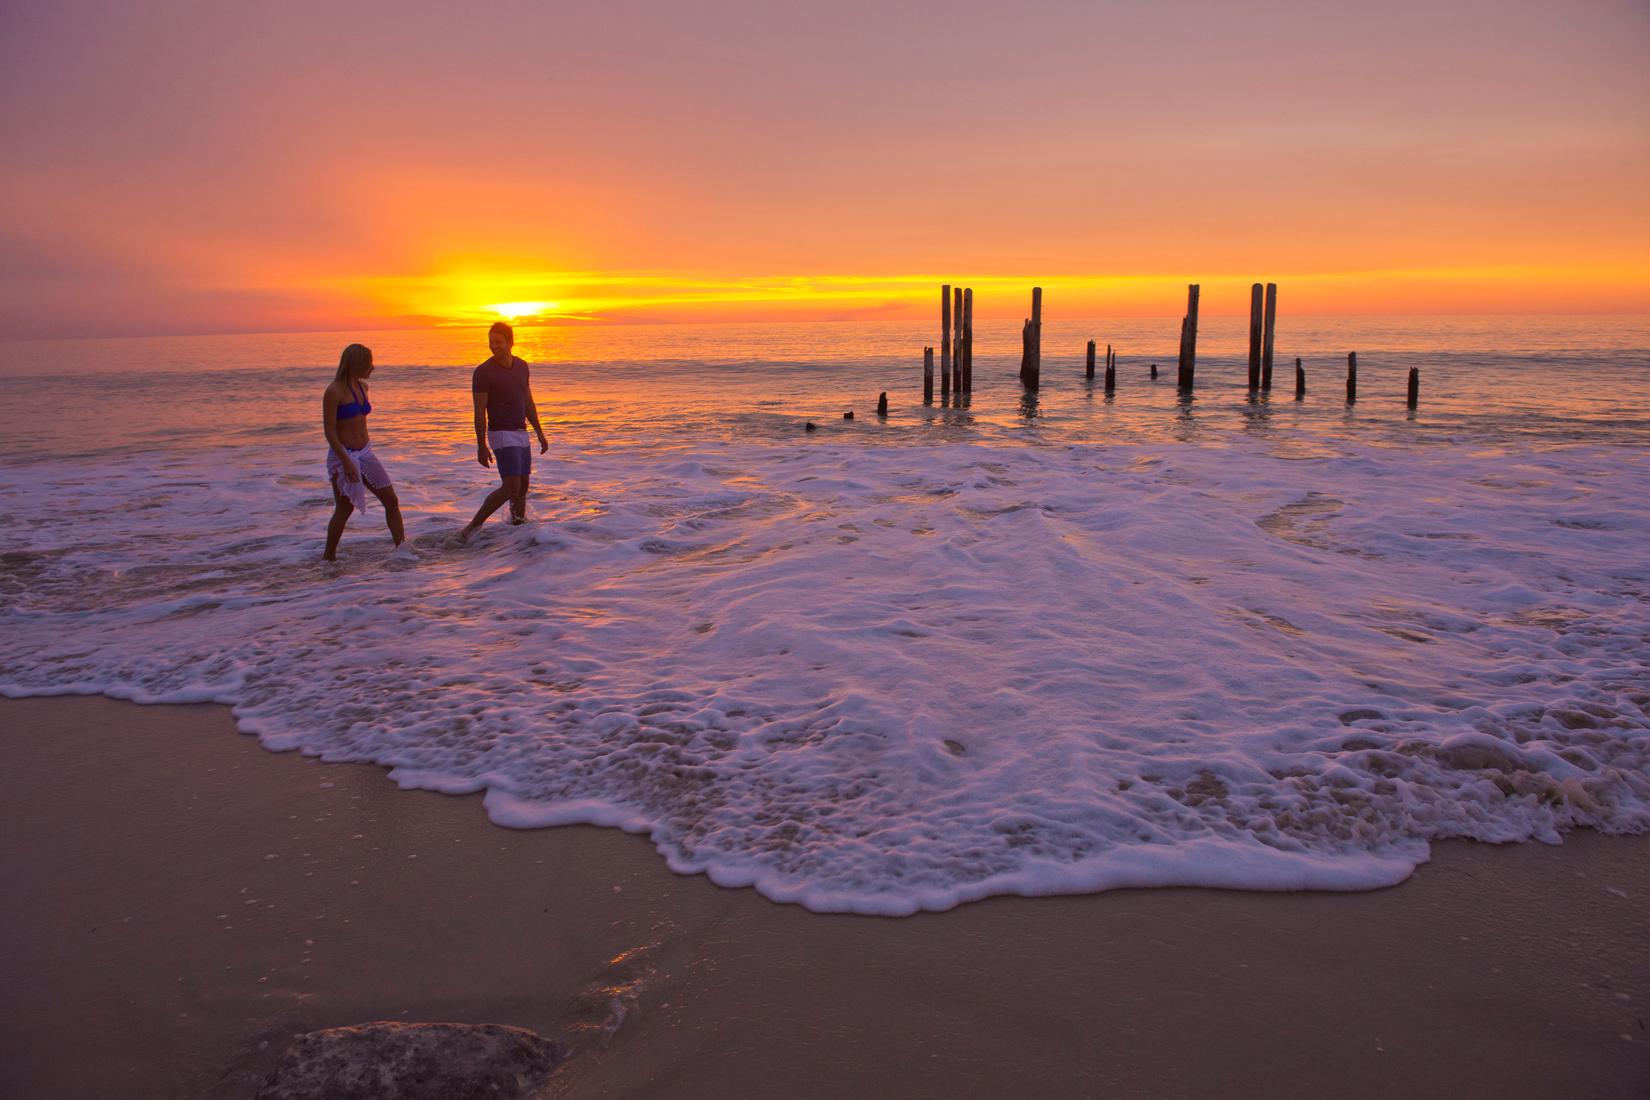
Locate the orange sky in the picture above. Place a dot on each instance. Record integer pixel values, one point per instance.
(199, 167)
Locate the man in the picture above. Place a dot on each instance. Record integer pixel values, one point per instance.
(504, 407)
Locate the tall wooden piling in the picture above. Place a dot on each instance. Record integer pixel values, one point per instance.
(1300, 380)
(956, 339)
(927, 376)
(1088, 370)
(1188, 340)
(968, 340)
(1031, 360)
(1266, 343)
(1111, 369)
(1414, 386)
(945, 338)
(1255, 328)
(1351, 377)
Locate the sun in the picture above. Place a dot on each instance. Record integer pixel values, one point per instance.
(514, 311)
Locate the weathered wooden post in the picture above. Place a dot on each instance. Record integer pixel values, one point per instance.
(1180, 378)
(1271, 330)
(882, 404)
(1188, 354)
(1254, 336)
(1088, 371)
(1031, 368)
(968, 340)
(1300, 380)
(1154, 372)
(1414, 386)
(1111, 370)
(945, 339)
(927, 376)
(1351, 377)
(956, 339)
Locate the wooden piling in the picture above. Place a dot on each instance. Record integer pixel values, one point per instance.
(1414, 386)
(1188, 343)
(1111, 370)
(968, 340)
(927, 376)
(956, 339)
(882, 403)
(1351, 377)
(1088, 371)
(1266, 342)
(1031, 362)
(1180, 377)
(945, 338)
(1255, 293)
(1154, 372)
(1300, 380)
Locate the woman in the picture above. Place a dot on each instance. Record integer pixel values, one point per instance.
(350, 461)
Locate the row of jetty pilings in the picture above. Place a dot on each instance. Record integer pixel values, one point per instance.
(957, 348)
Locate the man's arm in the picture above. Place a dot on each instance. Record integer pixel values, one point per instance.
(483, 455)
(533, 419)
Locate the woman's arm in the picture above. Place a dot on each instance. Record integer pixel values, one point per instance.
(329, 427)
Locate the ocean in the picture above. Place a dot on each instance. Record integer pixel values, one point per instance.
(1024, 645)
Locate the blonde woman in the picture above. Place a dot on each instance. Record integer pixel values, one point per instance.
(350, 461)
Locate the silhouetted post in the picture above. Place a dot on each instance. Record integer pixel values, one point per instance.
(1031, 368)
(1111, 370)
(1154, 372)
(1254, 336)
(1088, 371)
(882, 403)
(1180, 376)
(1188, 367)
(968, 340)
(1300, 380)
(1414, 386)
(1351, 377)
(956, 339)
(945, 339)
(927, 376)
(1271, 330)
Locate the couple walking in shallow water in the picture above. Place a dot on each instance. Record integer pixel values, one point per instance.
(504, 407)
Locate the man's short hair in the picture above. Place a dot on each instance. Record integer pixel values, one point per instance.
(500, 326)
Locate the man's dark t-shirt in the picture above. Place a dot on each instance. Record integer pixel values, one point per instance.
(506, 390)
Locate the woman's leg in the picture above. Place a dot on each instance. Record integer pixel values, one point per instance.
(392, 512)
(341, 509)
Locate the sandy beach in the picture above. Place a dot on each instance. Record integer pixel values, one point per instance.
(187, 901)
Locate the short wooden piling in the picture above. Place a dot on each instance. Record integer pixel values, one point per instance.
(1266, 342)
(1088, 371)
(1154, 372)
(1414, 386)
(956, 339)
(1351, 377)
(1300, 380)
(927, 376)
(1255, 326)
(1111, 370)
(945, 338)
(968, 340)
(882, 404)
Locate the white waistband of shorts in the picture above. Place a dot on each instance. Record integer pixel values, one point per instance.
(495, 440)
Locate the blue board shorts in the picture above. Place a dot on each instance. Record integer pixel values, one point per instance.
(512, 452)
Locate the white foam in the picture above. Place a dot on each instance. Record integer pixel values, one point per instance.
(890, 678)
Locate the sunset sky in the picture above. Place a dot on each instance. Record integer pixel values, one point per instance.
(208, 167)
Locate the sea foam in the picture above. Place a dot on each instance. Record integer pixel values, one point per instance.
(888, 678)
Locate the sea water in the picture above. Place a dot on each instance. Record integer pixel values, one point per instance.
(1025, 644)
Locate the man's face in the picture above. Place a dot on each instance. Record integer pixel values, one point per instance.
(501, 345)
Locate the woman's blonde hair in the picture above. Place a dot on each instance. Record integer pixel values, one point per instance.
(356, 358)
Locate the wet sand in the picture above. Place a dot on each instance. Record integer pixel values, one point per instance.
(180, 901)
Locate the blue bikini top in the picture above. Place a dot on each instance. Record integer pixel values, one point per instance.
(359, 407)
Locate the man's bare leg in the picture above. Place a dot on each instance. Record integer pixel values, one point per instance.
(494, 501)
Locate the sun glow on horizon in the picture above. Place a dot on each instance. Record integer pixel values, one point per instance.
(515, 311)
